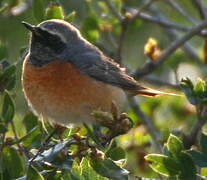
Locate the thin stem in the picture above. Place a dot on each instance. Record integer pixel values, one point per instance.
(147, 122)
(179, 9)
(158, 82)
(164, 23)
(46, 141)
(114, 10)
(202, 9)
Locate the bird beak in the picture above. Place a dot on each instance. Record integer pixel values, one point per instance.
(29, 26)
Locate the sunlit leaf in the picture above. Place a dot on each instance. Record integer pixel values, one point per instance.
(54, 11)
(163, 164)
(174, 145)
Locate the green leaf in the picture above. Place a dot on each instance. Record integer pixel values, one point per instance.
(163, 164)
(174, 145)
(107, 168)
(187, 87)
(32, 138)
(116, 153)
(188, 169)
(199, 87)
(33, 174)
(70, 17)
(12, 162)
(8, 108)
(8, 78)
(3, 51)
(38, 10)
(199, 158)
(89, 28)
(203, 143)
(30, 121)
(54, 11)
(3, 128)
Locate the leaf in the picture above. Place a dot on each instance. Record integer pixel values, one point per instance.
(8, 108)
(3, 128)
(33, 174)
(187, 87)
(109, 169)
(163, 164)
(8, 78)
(89, 28)
(116, 153)
(199, 87)
(3, 51)
(32, 138)
(188, 169)
(199, 158)
(174, 146)
(70, 17)
(12, 162)
(38, 10)
(54, 11)
(50, 154)
(203, 143)
(30, 121)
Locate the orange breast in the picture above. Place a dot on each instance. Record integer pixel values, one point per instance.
(63, 94)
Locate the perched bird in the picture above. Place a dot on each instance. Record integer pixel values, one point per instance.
(65, 77)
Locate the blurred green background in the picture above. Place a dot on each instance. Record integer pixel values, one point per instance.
(99, 25)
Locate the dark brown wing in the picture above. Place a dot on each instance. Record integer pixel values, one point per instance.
(99, 67)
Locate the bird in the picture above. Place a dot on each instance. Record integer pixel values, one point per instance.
(65, 77)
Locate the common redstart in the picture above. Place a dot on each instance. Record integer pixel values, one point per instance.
(65, 77)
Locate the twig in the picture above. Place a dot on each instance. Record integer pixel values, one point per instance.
(151, 66)
(202, 118)
(46, 141)
(164, 23)
(172, 34)
(124, 27)
(179, 9)
(202, 9)
(159, 82)
(114, 10)
(146, 122)
(146, 5)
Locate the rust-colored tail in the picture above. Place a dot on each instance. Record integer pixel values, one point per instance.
(150, 92)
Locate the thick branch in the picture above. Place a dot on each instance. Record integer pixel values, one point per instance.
(152, 65)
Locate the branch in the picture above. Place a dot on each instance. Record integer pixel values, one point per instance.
(196, 128)
(202, 9)
(177, 7)
(114, 10)
(152, 65)
(147, 122)
(164, 23)
(159, 82)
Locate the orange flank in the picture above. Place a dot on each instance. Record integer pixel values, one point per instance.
(59, 91)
